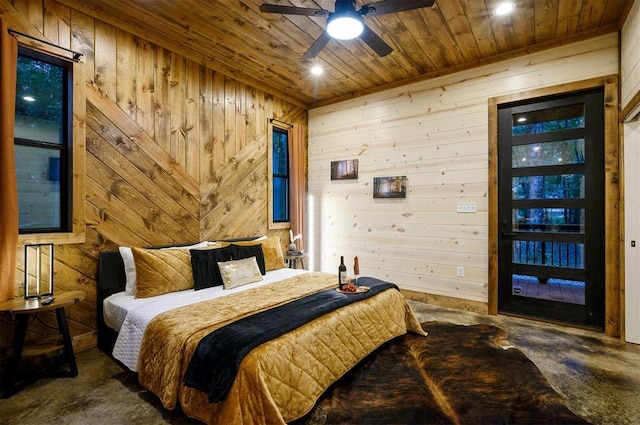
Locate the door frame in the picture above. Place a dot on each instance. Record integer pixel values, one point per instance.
(613, 213)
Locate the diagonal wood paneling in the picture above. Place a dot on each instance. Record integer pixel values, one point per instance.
(123, 193)
(176, 151)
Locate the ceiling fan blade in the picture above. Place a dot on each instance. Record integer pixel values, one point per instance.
(392, 6)
(292, 10)
(374, 41)
(317, 45)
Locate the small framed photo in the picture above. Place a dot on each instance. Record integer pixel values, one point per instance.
(346, 169)
(390, 187)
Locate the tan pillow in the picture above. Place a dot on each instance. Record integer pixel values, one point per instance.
(239, 272)
(161, 271)
(272, 249)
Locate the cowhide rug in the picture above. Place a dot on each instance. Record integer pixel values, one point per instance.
(456, 375)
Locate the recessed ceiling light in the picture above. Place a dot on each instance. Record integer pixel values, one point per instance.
(317, 70)
(29, 98)
(504, 8)
(522, 119)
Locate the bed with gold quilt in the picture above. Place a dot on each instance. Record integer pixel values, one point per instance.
(233, 336)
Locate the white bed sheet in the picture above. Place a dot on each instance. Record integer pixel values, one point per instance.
(130, 316)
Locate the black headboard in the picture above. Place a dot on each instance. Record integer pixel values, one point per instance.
(111, 280)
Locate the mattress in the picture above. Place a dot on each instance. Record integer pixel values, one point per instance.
(129, 316)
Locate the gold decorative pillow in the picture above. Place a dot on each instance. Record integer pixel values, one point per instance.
(272, 249)
(239, 272)
(161, 271)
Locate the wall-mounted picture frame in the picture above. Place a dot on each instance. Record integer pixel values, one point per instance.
(390, 187)
(347, 169)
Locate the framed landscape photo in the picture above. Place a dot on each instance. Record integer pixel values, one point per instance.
(346, 169)
(390, 187)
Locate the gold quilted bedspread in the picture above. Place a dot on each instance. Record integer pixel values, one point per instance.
(280, 380)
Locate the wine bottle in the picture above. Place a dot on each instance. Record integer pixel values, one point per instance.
(342, 273)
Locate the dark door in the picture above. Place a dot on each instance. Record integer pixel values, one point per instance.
(551, 208)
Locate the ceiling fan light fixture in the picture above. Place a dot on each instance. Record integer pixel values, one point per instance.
(346, 22)
(346, 26)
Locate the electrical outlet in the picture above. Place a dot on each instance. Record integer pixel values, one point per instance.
(460, 271)
(467, 207)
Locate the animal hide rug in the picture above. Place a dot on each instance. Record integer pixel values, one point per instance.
(456, 375)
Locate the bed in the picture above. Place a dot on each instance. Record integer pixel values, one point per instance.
(172, 339)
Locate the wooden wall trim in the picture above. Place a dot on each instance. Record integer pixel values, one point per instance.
(492, 292)
(614, 290)
(632, 108)
(444, 301)
(614, 211)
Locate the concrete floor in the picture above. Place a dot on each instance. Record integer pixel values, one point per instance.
(599, 376)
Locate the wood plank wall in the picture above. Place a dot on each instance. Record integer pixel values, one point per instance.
(630, 62)
(175, 151)
(632, 230)
(436, 133)
(630, 103)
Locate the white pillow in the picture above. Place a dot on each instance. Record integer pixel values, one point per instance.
(129, 269)
(130, 265)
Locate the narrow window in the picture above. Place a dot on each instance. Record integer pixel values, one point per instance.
(43, 140)
(280, 175)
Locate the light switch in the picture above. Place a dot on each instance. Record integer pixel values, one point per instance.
(467, 207)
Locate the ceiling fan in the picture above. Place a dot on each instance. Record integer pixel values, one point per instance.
(346, 23)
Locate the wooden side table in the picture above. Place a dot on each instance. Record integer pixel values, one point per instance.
(22, 310)
(292, 260)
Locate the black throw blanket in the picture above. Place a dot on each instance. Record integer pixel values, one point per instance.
(217, 358)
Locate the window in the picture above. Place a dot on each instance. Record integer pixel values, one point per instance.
(279, 214)
(49, 145)
(42, 142)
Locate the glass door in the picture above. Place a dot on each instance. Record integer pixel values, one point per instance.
(551, 209)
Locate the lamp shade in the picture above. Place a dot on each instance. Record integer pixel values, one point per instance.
(345, 26)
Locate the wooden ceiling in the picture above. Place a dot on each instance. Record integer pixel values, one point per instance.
(265, 50)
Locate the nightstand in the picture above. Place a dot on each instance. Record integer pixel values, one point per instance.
(292, 260)
(21, 310)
